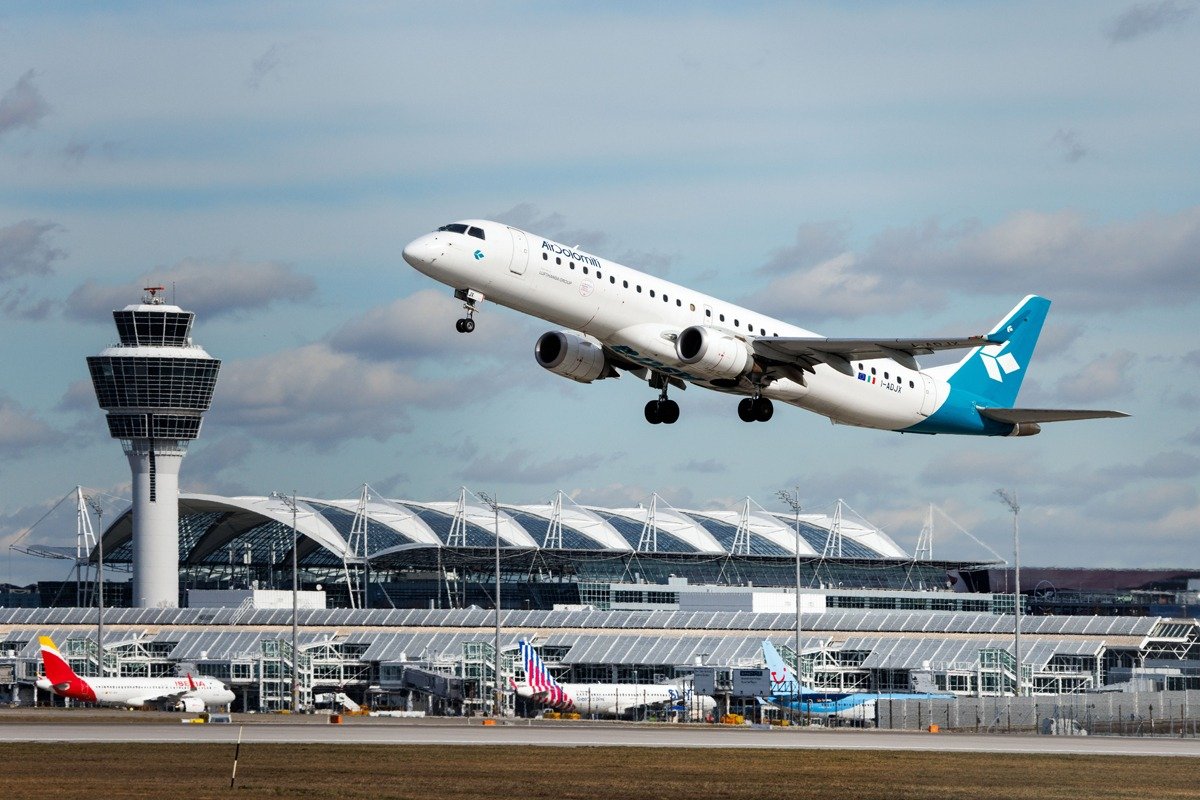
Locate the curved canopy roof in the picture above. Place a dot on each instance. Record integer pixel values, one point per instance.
(215, 529)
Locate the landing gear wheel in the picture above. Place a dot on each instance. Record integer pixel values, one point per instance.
(653, 414)
(763, 409)
(669, 411)
(464, 325)
(746, 410)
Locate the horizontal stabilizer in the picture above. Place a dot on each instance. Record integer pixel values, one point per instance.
(1022, 415)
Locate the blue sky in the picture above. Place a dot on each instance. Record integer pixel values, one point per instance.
(890, 169)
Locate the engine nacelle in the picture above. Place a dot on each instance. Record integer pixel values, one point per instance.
(713, 353)
(190, 704)
(1025, 429)
(580, 358)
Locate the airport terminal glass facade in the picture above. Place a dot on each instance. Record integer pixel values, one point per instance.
(443, 555)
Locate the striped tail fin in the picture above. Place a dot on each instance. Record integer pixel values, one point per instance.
(540, 681)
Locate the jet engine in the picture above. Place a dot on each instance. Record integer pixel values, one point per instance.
(190, 705)
(713, 353)
(580, 358)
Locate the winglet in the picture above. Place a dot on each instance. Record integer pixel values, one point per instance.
(191, 683)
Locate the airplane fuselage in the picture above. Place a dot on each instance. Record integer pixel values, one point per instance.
(616, 699)
(134, 692)
(669, 334)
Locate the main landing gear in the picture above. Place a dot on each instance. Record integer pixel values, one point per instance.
(755, 409)
(662, 410)
(471, 300)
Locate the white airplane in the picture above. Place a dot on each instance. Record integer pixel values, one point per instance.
(177, 694)
(786, 693)
(608, 699)
(617, 318)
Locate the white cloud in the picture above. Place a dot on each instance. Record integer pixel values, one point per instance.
(1088, 266)
(523, 466)
(1105, 377)
(25, 249)
(316, 395)
(420, 326)
(209, 288)
(21, 430)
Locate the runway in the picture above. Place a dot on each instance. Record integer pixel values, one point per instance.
(362, 732)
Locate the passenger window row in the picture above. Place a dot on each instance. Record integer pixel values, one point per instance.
(666, 299)
(861, 368)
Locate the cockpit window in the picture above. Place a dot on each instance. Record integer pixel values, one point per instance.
(455, 227)
(476, 232)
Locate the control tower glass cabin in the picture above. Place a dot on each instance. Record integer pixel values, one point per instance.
(155, 385)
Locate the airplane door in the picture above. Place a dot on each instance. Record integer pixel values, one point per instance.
(928, 396)
(520, 252)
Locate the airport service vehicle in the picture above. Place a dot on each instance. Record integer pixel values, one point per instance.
(616, 319)
(853, 706)
(607, 699)
(174, 694)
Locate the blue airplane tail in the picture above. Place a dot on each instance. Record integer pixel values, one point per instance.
(994, 373)
(783, 677)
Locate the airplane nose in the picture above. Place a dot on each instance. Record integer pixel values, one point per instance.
(421, 251)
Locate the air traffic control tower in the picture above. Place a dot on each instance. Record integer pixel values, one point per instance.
(155, 385)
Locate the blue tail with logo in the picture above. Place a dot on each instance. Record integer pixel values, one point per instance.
(993, 374)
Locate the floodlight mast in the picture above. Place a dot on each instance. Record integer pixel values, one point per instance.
(290, 502)
(1009, 498)
(494, 504)
(792, 499)
(99, 509)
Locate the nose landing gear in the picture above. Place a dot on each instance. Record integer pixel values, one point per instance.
(471, 300)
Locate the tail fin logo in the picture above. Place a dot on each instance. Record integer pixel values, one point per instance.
(997, 362)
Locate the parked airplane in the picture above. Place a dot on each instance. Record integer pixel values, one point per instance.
(614, 699)
(620, 319)
(855, 706)
(177, 694)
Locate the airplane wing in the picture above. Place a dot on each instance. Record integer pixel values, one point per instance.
(1019, 415)
(165, 697)
(808, 351)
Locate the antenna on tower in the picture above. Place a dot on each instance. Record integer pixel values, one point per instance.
(151, 297)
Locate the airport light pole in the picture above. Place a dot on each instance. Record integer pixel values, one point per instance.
(494, 504)
(1010, 499)
(792, 499)
(290, 502)
(95, 504)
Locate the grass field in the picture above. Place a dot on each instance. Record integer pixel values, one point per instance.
(195, 772)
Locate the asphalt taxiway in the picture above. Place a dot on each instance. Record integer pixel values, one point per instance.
(472, 733)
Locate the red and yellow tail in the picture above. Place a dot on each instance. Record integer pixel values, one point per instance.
(62, 678)
(58, 671)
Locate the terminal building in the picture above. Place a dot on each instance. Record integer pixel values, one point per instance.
(374, 552)
(396, 605)
(441, 661)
